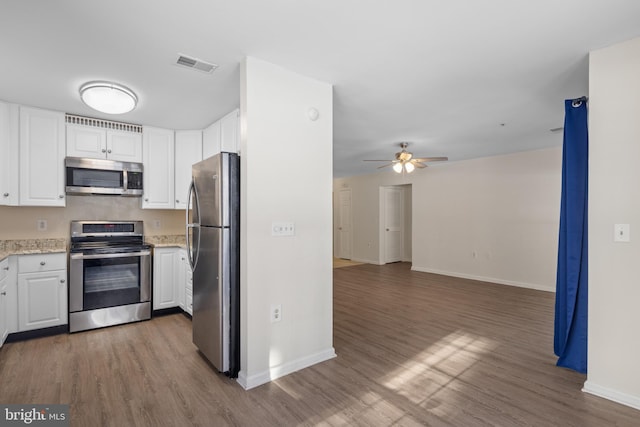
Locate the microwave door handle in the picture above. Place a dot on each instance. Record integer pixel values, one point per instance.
(125, 180)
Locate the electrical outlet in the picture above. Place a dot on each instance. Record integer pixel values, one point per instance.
(42, 225)
(276, 313)
(156, 223)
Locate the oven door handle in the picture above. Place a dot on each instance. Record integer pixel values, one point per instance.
(118, 255)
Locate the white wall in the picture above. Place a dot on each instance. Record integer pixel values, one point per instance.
(505, 209)
(614, 198)
(286, 176)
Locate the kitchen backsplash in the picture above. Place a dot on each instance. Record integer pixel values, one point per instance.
(21, 222)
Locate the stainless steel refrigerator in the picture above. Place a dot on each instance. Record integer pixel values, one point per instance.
(213, 242)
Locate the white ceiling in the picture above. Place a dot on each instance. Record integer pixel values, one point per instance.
(443, 75)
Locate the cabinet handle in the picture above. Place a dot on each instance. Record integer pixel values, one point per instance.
(109, 151)
(62, 280)
(3, 293)
(6, 268)
(42, 263)
(146, 200)
(177, 201)
(6, 194)
(104, 151)
(61, 196)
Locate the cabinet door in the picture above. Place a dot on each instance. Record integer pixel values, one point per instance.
(42, 300)
(158, 160)
(165, 276)
(188, 152)
(211, 140)
(182, 278)
(86, 141)
(4, 329)
(42, 151)
(9, 148)
(229, 132)
(124, 146)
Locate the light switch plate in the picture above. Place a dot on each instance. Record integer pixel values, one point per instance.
(621, 233)
(283, 229)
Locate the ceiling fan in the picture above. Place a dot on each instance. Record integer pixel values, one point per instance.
(405, 162)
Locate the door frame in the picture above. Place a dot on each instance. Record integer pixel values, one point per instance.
(382, 235)
(337, 231)
(407, 222)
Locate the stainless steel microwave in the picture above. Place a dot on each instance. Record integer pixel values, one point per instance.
(99, 176)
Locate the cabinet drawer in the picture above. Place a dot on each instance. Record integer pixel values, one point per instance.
(42, 262)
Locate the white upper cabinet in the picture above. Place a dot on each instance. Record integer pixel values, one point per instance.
(124, 146)
(98, 143)
(230, 132)
(211, 140)
(158, 160)
(9, 154)
(223, 135)
(42, 152)
(188, 152)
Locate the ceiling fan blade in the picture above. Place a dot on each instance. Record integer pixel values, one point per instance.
(384, 166)
(376, 160)
(431, 159)
(419, 165)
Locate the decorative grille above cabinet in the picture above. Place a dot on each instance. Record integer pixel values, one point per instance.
(100, 123)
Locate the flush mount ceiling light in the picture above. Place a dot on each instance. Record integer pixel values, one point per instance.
(108, 97)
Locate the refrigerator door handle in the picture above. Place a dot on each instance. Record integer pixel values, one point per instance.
(193, 260)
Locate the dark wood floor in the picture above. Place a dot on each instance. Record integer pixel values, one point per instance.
(413, 349)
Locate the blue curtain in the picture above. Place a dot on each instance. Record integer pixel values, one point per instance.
(570, 332)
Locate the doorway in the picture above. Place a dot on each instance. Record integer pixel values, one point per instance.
(395, 223)
(344, 224)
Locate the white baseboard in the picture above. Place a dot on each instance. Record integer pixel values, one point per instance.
(366, 261)
(249, 382)
(610, 394)
(536, 286)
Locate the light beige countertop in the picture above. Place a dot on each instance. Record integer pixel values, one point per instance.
(168, 240)
(31, 246)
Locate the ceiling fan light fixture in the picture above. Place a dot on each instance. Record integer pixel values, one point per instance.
(409, 167)
(397, 167)
(108, 97)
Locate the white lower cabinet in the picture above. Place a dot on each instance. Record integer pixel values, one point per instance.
(4, 316)
(185, 283)
(42, 291)
(172, 279)
(165, 278)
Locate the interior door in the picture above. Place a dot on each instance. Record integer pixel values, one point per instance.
(393, 222)
(344, 224)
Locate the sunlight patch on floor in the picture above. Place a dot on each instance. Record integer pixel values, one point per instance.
(427, 373)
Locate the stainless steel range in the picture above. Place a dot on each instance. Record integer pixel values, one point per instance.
(109, 274)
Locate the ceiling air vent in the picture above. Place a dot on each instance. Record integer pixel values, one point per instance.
(195, 63)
